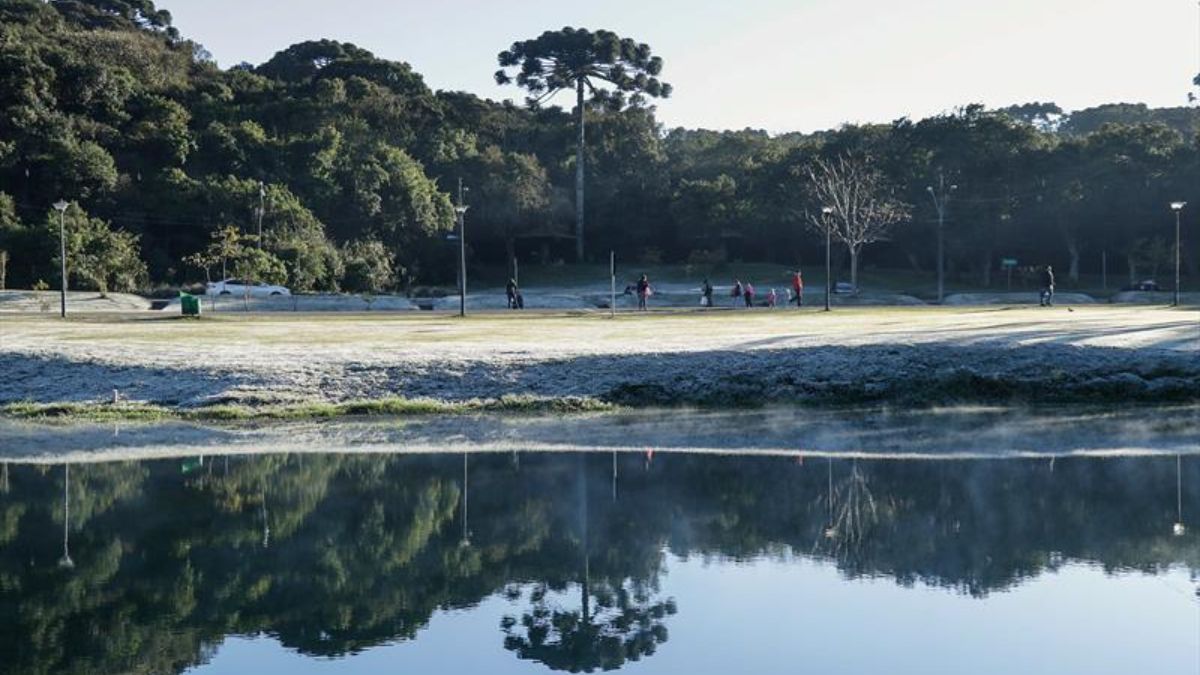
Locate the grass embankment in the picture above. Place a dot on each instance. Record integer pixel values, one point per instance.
(395, 407)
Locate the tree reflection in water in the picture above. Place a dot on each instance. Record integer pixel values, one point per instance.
(625, 623)
(354, 551)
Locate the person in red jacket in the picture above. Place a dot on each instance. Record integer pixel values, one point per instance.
(798, 287)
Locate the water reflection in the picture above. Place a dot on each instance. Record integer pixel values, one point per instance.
(333, 554)
(1179, 528)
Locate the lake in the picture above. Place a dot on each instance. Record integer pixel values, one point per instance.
(772, 541)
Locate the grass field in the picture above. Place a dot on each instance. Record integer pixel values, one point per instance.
(325, 364)
(591, 331)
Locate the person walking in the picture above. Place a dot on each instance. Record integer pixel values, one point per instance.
(798, 287)
(510, 290)
(706, 292)
(748, 294)
(736, 293)
(1047, 296)
(643, 291)
(772, 297)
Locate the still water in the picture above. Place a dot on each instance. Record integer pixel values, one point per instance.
(1083, 559)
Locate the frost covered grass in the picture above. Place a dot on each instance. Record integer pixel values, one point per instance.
(393, 407)
(314, 365)
(583, 328)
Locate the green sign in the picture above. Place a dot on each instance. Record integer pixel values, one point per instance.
(1008, 262)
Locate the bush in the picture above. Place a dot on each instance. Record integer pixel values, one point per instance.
(368, 267)
(102, 257)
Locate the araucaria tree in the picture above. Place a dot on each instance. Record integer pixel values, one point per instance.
(854, 203)
(601, 65)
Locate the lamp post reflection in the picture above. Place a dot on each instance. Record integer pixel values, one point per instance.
(614, 476)
(1179, 528)
(830, 531)
(266, 540)
(466, 531)
(65, 561)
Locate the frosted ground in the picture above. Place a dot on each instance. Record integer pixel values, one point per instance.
(1096, 352)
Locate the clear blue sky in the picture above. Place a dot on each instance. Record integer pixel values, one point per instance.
(781, 65)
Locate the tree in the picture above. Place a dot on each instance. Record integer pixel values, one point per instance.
(704, 209)
(105, 258)
(514, 197)
(227, 244)
(579, 59)
(255, 264)
(293, 234)
(11, 235)
(368, 267)
(862, 208)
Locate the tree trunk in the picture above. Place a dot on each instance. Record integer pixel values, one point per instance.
(1073, 251)
(510, 254)
(854, 252)
(987, 269)
(3, 269)
(579, 174)
(1132, 264)
(914, 261)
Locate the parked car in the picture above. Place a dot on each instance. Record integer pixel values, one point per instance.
(844, 288)
(242, 287)
(1144, 285)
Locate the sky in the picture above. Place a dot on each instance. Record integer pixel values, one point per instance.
(779, 65)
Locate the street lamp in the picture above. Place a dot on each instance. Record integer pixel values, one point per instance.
(61, 207)
(941, 198)
(1177, 207)
(262, 205)
(825, 213)
(460, 210)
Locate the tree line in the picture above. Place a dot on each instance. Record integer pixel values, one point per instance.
(346, 160)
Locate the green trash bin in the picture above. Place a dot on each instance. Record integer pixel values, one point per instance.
(190, 304)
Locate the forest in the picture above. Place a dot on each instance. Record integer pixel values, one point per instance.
(348, 166)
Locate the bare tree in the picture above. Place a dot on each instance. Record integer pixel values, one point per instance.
(857, 205)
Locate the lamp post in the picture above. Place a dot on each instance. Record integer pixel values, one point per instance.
(1177, 207)
(61, 207)
(262, 199)
(941, 198)
(826, 212)
(461, 210)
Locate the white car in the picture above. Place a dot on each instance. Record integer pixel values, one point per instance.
(241, 287)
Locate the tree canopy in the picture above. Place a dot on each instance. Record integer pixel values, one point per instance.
(106, 104)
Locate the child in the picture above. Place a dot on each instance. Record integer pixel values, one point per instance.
(771, 298)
